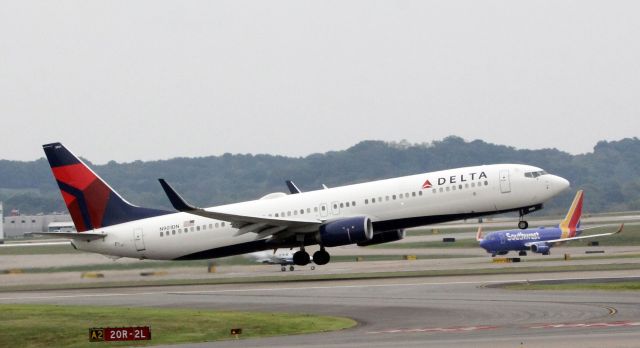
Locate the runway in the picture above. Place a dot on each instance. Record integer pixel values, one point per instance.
(456, 311)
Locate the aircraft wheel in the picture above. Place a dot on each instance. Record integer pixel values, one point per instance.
(291, 268)
(523, 225)
(301, 258)
(321, 257)
(522, 253)
(283, 268)
(313, 268)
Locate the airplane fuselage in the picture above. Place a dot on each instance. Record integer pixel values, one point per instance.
(518, 240)
(391, 204)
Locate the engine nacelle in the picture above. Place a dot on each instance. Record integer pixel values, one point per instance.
(346, 231)
(384, 237)
(540, 248)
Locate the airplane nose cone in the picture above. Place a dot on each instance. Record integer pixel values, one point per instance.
(556, 185)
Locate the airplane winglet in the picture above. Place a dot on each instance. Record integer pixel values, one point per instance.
(176, 200)
(292, 187)
(479, 234)
(620, 229)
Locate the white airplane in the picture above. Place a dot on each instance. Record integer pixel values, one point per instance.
(280, 257)
(363, 214)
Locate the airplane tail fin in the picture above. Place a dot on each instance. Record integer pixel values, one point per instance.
(479, 234)
(572, 221)
(91, 202)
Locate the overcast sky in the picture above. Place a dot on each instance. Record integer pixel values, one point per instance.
(127, 80)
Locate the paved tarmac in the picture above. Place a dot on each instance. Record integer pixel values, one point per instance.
(411, 312)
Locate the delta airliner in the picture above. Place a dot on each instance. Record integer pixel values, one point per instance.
(363, 214)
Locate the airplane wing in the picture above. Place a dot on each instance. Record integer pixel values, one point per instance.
(263, 226)
(584, 237)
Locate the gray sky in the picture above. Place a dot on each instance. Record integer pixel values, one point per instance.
(127, 80)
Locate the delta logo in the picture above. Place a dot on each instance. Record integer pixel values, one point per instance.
(455, 179)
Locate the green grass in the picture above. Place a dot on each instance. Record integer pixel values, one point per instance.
(505, 269)
(458, 244)
(68, 326)
(614, 286)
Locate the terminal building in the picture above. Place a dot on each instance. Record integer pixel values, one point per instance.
(16, 225)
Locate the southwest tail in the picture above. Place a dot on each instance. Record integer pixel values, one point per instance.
(571, 222)
(91, 202)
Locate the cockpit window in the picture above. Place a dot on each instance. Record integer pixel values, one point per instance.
(535, 174)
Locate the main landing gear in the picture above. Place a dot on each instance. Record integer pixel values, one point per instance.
(522, 253)
(320, 257)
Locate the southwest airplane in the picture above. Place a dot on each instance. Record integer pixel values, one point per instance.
(539, 240)
(363, 214)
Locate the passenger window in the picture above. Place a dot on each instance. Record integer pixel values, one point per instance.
(210, 226)
(315, 209)
(448, 189)
(373, 200)
(486, 183)
(217, 225)
(386, 198)
(394, 197)
(308, 210)
(366, 201)
(341, 205)
(453, 188)
(460, 187)
(160, 234)
(473, 184)
(295, 212)
(434, 190)
(441, 189)
(173, 232)
(198, 228)
(323, 208)
(222, 224)
(276, 214)
(191, 229)
(353, 204)
(413, 194)
(400, 196)
(347, 204)
(419, 193)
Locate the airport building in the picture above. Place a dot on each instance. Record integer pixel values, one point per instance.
(16, 225)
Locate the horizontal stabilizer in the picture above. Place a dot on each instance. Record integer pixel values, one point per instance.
(73, 235)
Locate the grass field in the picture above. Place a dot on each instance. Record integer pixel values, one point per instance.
(68, 326)
(614, 286)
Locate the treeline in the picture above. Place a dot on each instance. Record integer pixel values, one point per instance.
(609, 175)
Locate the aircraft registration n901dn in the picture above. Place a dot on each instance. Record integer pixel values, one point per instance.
(363, 214)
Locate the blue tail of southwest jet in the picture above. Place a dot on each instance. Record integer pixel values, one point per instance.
(91, 202)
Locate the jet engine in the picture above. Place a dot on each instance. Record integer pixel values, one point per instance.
(384, 237)
(540, 248)
(346, 231)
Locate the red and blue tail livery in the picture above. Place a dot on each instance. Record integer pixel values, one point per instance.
(91, 202)
(541, 239)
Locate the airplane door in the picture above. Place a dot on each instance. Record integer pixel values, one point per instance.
(323, 210)
(505, 183)
(138, 239)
